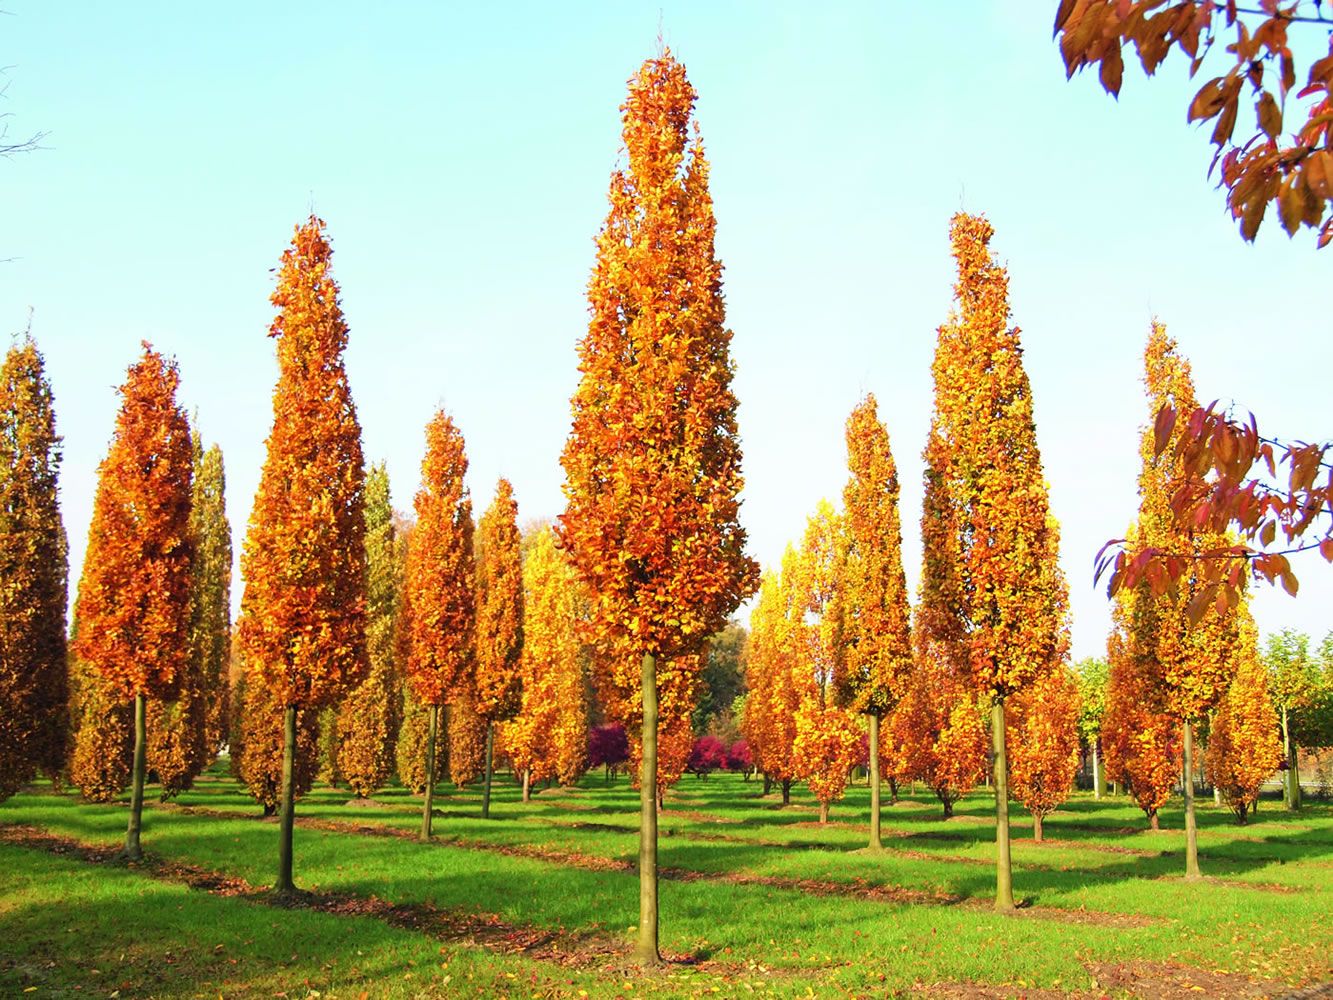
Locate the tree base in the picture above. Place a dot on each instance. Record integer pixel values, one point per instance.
(291, 896)
(127, 856)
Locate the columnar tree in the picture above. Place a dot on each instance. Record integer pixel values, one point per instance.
(652, 464)
(1092, 674)
(34, 681)
(467, 738)
(438, 590)
(549, 736)
(994, 604)
(134, 597)
(937, 731)
(1183, 643)
(1243, 748)
(304, 562)
(368, 716)
(775, 689)
(1045, 743)
(499, 682)
(185, 734)
(1294, 682)
(1142, 744)
(876, 662)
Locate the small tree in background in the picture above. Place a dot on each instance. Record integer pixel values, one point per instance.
(937, 729)
(1243, 748)
(1294, 680)
(1142, 744)
(1045, 743)
(102, 747)
(467, 739)
(368, 716)
(1092, 674)
(34, 567)
(438, 601)
(499, 683)
(303, 621)
(134, 597)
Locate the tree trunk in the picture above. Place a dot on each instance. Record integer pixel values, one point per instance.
(768, 784)
(1004, 879)
(1036, 827)
(486, 787)
(527, 784)
(1098, 778)
(287, 810)
(1291, 778)
(1153, 822)
(786, 791)
(646, 952)
(1191, 833)
(132, 850)
(875, 843)
(823, 812)
(428, 805)
(948, 808)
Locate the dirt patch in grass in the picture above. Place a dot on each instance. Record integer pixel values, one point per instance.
(1146, 980)
(695, 816)
(478, 930)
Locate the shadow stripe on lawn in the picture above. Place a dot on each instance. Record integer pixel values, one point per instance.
(471, 929)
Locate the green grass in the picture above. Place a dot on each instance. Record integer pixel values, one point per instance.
(1098, 895)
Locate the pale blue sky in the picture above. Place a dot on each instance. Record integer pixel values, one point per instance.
(461, 155)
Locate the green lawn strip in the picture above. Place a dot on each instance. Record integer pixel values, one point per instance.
(769, 926)
(67, 925)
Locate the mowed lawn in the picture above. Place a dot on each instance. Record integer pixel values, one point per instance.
(540, 901)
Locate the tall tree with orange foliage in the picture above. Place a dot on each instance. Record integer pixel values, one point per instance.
(994, 604)
(303, 624)
(439, 599)
(134, 597)
(1243, 746)
(1141, 743)
(34, 566)
(652, 464)
(876, 662)
(1182, 641)
(1045, 754)
(499, 682)
(549, 736)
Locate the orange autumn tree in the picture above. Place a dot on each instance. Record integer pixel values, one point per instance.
(34, 565)
(498, 681)
(1184, 651)
(938, 734)
(439, 602)
(134, 597)
(769, 723)
(1243, 746)
(652, 463)
(993, 601)
(1142, 745)
(368, 716)
(828, 737)
(303, 624)
(876, 661)
(1045, 741)
(549, 736)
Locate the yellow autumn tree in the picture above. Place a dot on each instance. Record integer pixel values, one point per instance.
(652, 463)
(498, 679)
(993, 602)
(769, 722)
(1243, 746)
(1141, 743)
(876, 662)
(1045, 743)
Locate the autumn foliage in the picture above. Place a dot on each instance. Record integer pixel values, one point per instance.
(827, 744)
(134, 597)
(937, 733)
(1141, 744)
(499, 604)
(775, 691)
(1243, 745)
(1044, 746)
(34, 685)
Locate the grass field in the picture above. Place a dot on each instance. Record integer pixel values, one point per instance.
(540, 900)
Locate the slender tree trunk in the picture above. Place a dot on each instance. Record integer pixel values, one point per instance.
(875, 843)
(132, 851)
(486, 787)
(429, 803)
(1191, 832)
(786, 791)
(1291, 778)
(823, 812)
(1004, 879)
(768, 784)
(1153, 822)
(646, 952)
(948, 807)
(287, 810)
(1036, 828)
(893, 791)
(527, 784)
(1098, 778)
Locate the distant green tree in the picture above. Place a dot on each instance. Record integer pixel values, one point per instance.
(1093, 673)
(723, 675)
